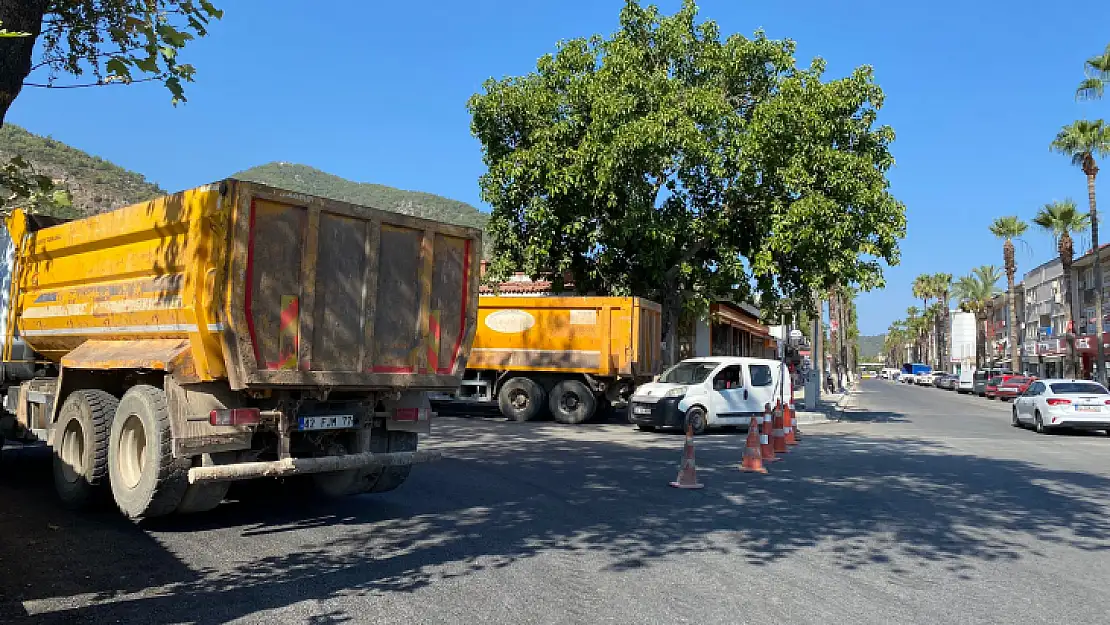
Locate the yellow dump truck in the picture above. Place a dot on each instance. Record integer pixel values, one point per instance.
(563, 356)
(230, 332)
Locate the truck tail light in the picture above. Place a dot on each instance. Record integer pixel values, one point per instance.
(235, 416)
(412, 414)
(1056, 401)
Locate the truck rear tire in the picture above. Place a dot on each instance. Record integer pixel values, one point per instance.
(204, 497)
(147, 481)
(521, 399)
(389, 478)
(81, 446)
(572, 402)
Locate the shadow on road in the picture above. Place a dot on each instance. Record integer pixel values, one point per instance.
(510, 492)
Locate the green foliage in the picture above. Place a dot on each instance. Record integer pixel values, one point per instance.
(93, 184)
(1062, 218)
(309, 180)
(1008, 228)
(668, 162)
(119, 41)
(21, 187)
(1096, 76)
(1082, 141)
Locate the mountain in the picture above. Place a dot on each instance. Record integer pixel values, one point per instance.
(312, 181)
(95, 184)
(871, 347)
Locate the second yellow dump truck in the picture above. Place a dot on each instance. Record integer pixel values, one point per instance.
(567, 357)
(231, 332)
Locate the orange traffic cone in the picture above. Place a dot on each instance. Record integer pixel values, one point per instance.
(767, 451)
(778, 434)
(687, 470)
(753, 460)
(791, 417)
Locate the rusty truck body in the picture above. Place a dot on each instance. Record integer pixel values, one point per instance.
(230, 332)
(569, 357)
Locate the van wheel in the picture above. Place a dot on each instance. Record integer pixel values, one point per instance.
(521, 399)
(147, 481)
(695, 417)
(81, 446)
(571, 402)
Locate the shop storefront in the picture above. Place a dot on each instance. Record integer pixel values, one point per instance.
(1045, 358)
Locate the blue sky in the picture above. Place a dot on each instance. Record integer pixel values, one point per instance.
(376, 92)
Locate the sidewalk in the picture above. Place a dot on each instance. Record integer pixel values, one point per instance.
(829, 408)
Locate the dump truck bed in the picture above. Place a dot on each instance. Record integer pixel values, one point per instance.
(260, 286)
(602, 336)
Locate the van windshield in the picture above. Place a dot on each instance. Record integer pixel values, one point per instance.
(688, 372)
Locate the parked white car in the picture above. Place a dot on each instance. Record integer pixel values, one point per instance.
(1058, 403)
(710, 392)
(926, 379)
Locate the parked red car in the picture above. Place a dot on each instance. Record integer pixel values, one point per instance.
(1014, 386)
(991, 390)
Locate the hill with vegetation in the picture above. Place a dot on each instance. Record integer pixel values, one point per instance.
(312, 181)
(95, 185)
(871, 347)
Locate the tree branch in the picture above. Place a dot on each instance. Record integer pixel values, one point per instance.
(101, 83)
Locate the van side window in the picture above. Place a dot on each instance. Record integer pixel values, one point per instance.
(760, 374)
(727, 378)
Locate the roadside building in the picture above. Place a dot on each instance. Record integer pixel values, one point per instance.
(962, 339)
(998, 328)
(1086, 322)
(1044, 323)
(730, 329)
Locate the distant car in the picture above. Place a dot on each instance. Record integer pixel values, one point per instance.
(991, 389)
(1014, 386)
(940, 379)
(948, 382)
(980, 379)
(926, 379)
(1055, 403)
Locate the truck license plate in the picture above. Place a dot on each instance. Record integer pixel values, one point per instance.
(641, 410)
(327, 422)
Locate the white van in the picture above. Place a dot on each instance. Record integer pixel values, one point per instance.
(967, 381)
(710, 392)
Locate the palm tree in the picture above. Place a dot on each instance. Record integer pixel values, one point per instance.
(974, 291)
(1082, 141)
(1097, 70)
(923, 288)
(1061, 219)
(1008, 229)
(912, 316)
(942, 290)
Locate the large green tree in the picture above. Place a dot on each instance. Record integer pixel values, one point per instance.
(1084, 142)
(670, 162)
(112, 41)
(1009, 229)
(1061, 219)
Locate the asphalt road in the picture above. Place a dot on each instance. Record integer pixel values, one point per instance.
(921, 507)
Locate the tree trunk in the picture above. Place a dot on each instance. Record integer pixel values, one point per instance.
(1066, 254)
(1011, 292)
(672, 309)
(23, 16)
(1101, 375)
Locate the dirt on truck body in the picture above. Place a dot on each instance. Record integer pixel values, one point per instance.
(231, 332)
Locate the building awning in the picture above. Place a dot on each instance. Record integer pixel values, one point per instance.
(726, 314)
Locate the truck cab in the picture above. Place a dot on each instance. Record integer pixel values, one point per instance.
(710, 392)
